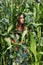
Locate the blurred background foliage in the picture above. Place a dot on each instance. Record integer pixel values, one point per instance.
(9, 11)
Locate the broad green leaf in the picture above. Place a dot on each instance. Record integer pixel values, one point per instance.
(10, 28)
(23, 35)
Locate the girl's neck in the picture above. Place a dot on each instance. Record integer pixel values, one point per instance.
(20, 26)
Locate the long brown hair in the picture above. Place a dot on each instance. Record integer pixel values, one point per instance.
(18, 24)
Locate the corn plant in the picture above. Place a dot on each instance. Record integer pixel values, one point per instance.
(9, 11)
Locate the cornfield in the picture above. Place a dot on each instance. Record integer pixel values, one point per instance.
(9, 11)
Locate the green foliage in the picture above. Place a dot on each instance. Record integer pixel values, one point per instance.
(9, 11)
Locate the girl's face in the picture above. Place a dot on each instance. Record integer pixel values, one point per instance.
(21, 18)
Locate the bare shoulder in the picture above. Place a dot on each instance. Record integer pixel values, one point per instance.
(25, 28)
